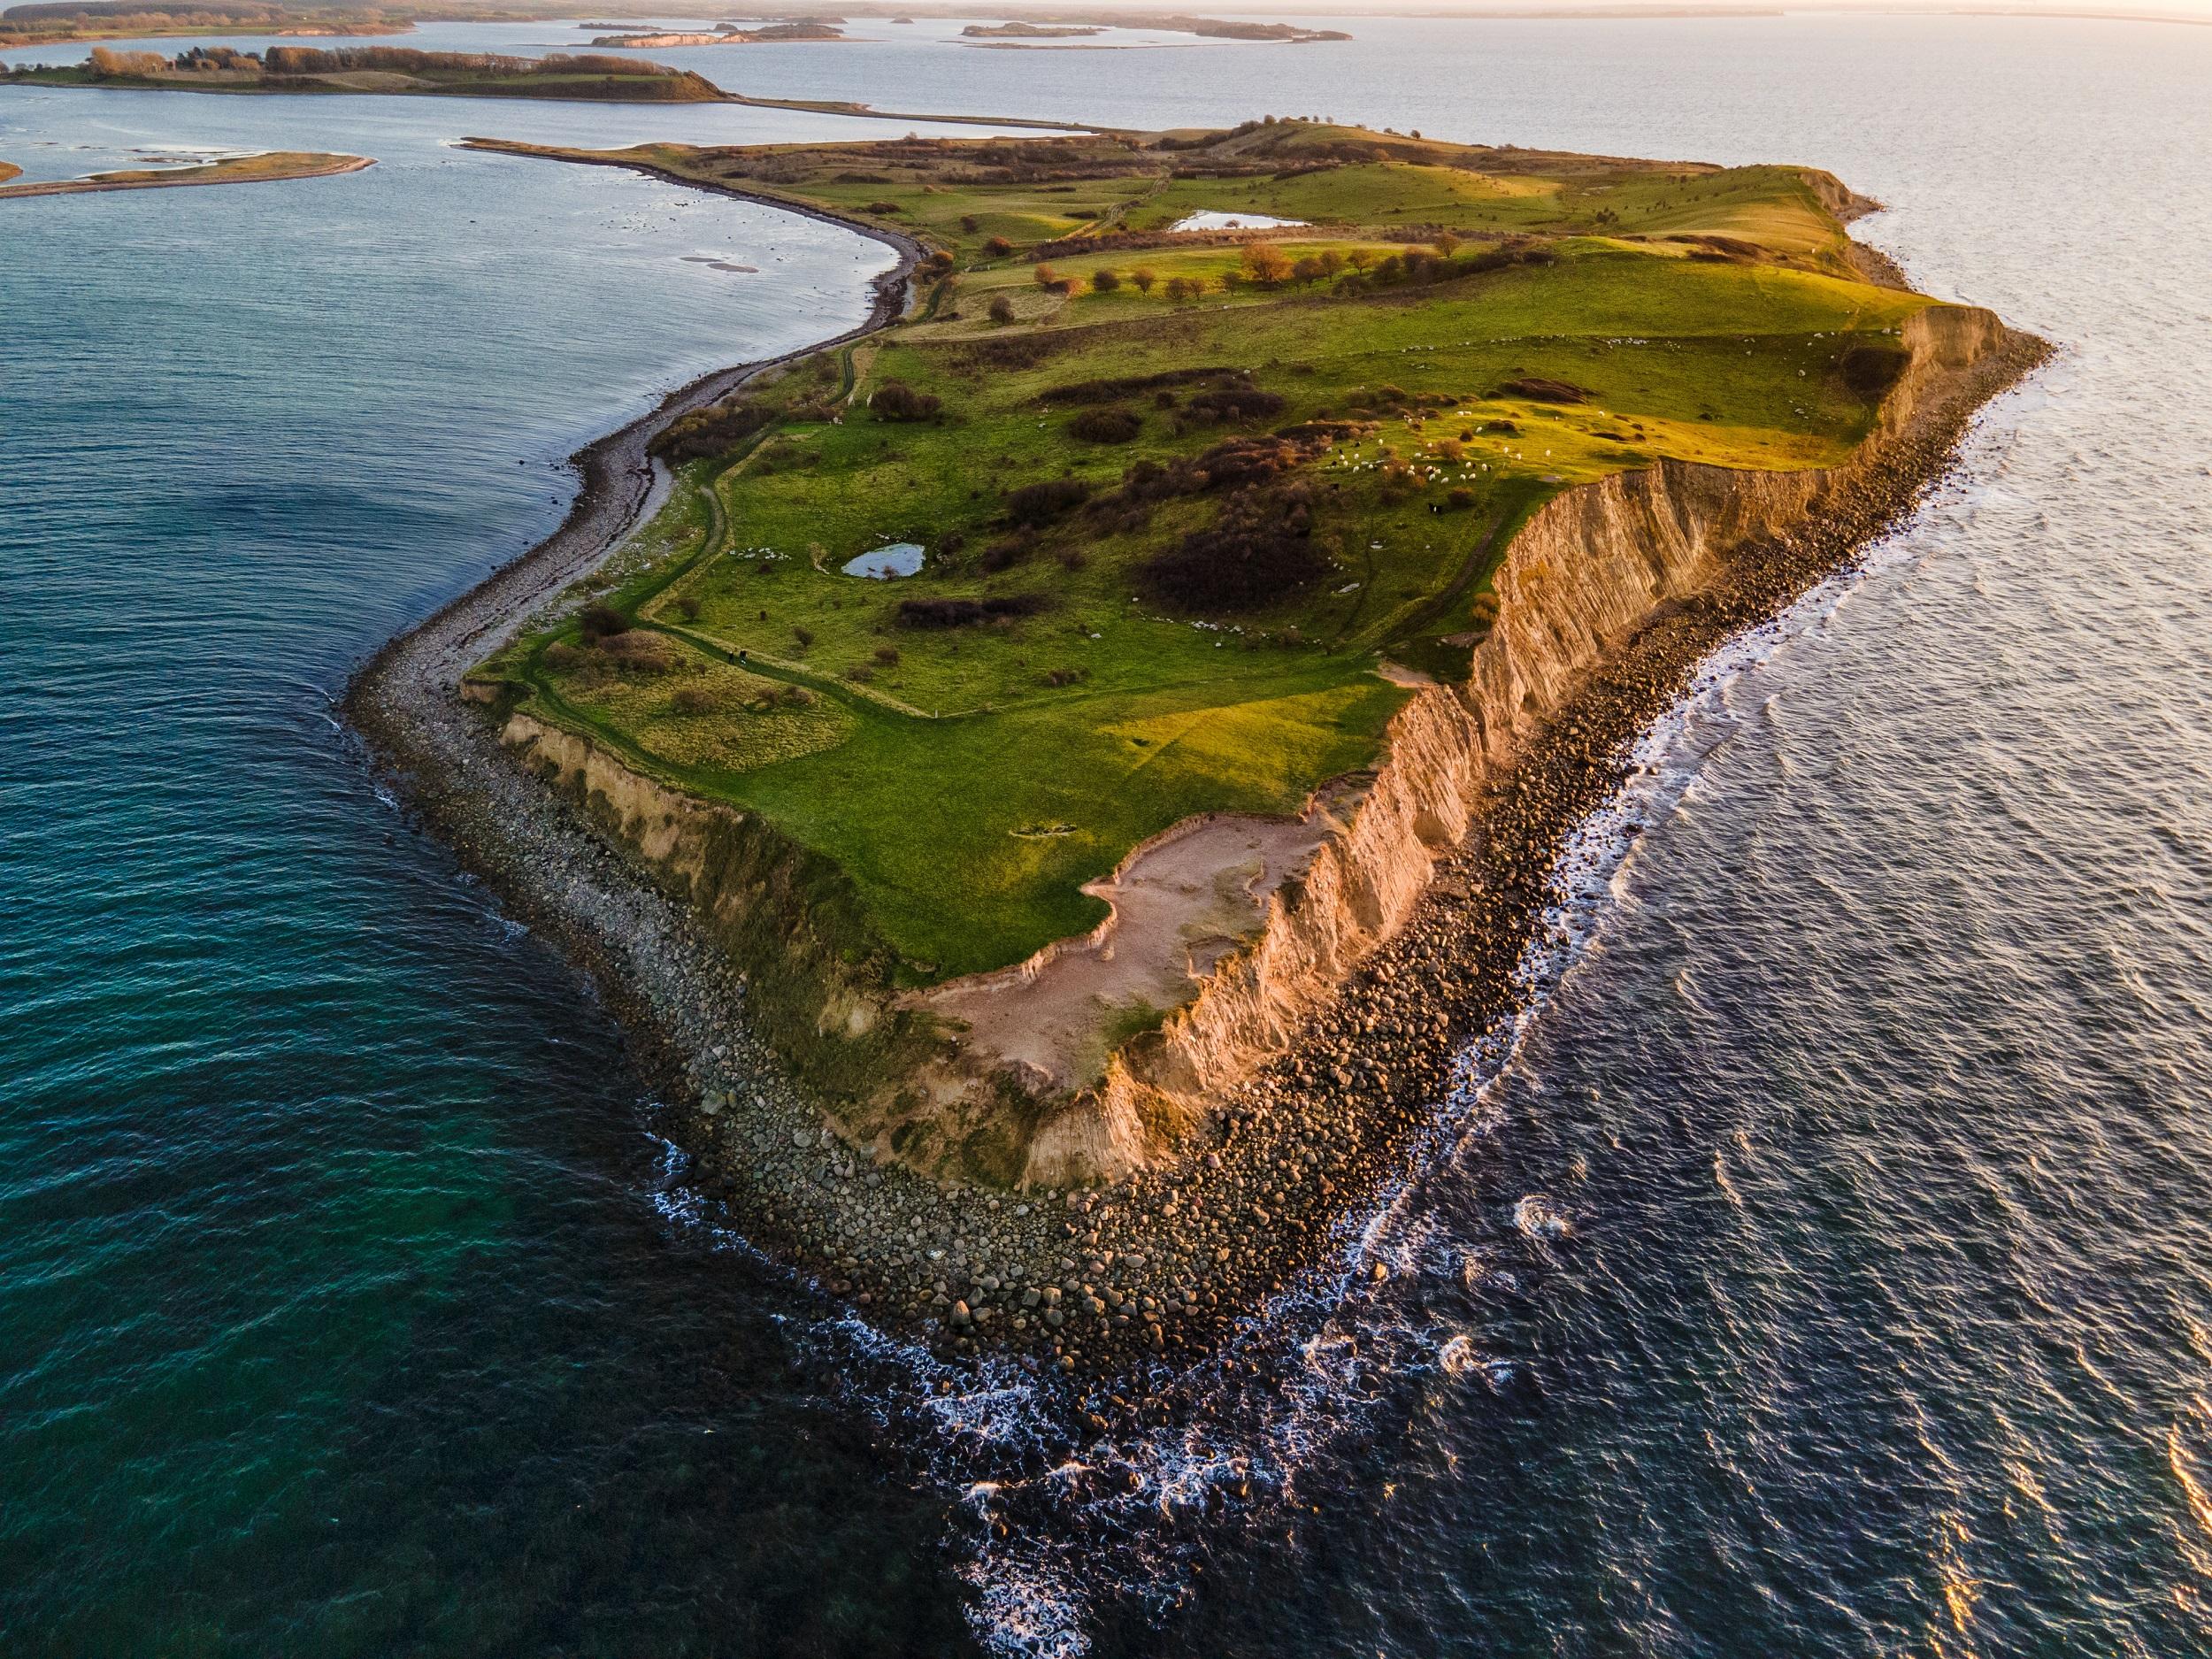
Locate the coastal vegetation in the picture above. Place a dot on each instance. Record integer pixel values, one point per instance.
(1195, 509)
(381, 69)
(44, 22)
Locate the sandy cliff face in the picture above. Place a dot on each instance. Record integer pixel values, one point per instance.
(1593, 567)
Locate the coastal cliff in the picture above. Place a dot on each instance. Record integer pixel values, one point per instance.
(1596, 566)
(1592, 568)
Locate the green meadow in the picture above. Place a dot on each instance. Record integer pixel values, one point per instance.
(1194, 512)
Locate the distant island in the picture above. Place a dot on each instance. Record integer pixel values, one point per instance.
(1042, 703)
(1027, 31)
(44, 22)
(262, 169)
(729, 35)
(377, 69)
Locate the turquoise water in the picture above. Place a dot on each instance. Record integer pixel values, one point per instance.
(349, 1306)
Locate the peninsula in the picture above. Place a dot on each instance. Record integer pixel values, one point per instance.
(1082, 750)
(265, 168)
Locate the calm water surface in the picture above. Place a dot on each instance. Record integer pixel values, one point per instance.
(1824, 1269)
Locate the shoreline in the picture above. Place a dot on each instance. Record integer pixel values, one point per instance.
(1142, 1279)
(89, 186)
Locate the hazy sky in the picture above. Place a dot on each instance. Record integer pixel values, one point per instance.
(2173, 11)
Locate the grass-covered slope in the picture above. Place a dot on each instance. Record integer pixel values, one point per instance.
(1194, 507)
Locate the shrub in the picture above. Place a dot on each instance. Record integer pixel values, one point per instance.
(795, 697)
(1142, 279)
(887, 655)
(601, 622)
(1111, 424)
(1259, 550)
(1459, 500)
(1112, 391)
(998, 247)
(1264, 263)
(1104, 281)
(964, 614)
(1047, 277)
(970, 223)
(106, 63)
(715, 430)
(1234, 402)
(1002, 309)
(564, 658)
(1004, 555)
(637, 652)
(1042, 503)
(895, 400)
(805, 636)
(695, 700)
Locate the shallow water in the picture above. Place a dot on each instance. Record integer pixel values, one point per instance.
(895, 559)
(1212, 220)
(1824, 1269)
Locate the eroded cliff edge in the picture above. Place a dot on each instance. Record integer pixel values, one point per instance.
(1599, 566)
(1592, 568)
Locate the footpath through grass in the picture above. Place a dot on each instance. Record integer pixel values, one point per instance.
(1177, 512)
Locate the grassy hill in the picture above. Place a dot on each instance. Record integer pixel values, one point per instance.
(1194, 508)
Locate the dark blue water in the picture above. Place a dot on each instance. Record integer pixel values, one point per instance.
(1824, 1269)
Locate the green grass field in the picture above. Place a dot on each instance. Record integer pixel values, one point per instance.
(1314, 461)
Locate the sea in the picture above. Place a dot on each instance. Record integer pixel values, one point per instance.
(1822, 1265)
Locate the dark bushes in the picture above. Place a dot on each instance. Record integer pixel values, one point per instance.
(1232, 402)
(715, 430)
(1258, 551)
(1114, 391)
(601, 621)
(966, 613)
(1112, 425)
(1042, 503)
(894, 400)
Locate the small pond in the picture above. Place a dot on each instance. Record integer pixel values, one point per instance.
(1232, 221)
(900, 558)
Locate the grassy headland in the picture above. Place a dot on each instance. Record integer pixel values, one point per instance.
(262, 169)
(384, 69)
(1194, 508)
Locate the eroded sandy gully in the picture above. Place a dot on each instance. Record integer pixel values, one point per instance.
(1377, 933)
